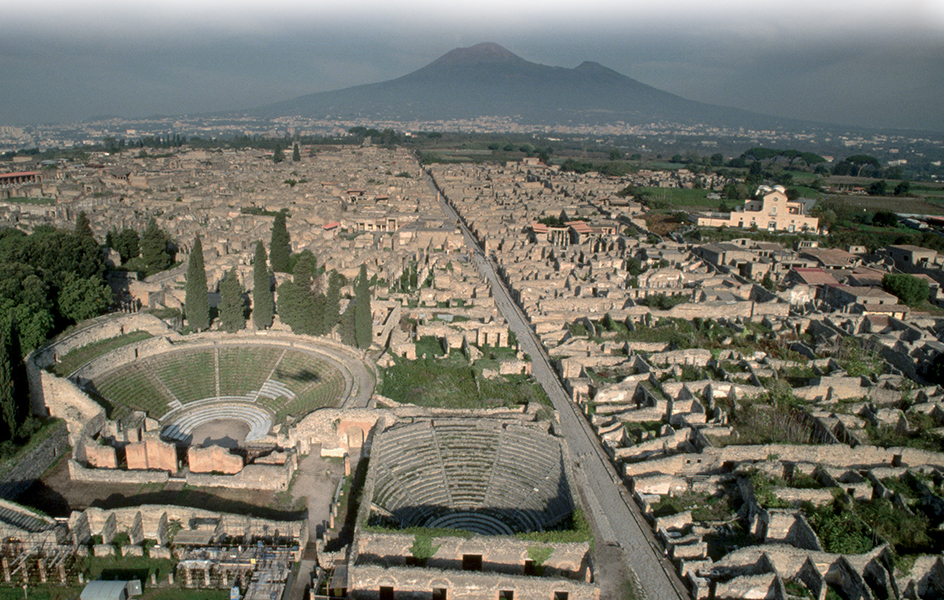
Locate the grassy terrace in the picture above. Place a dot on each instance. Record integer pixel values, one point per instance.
(436, 380)
(78, 357)
(191, 375)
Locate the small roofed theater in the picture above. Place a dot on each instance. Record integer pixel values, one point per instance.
(111, 590)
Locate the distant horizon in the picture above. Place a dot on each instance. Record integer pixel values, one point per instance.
(856, 64)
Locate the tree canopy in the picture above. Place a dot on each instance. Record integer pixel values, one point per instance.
(911, 290)
(155, 249)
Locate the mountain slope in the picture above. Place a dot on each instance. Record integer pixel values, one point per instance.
(488, 80)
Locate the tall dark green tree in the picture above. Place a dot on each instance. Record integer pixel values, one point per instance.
(7, 393)
(332, 302)
(278, 156)
(82, 225)
(127, 243)
(311, 300)
(263, 304)
(363, 327)
(346, 325)
(14, 384)
(296, 154)
(280, 248)
(154, 248)
(232, 306)
(196, 301)
(290, 305)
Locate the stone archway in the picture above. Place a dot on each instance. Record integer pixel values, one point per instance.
(354, 437)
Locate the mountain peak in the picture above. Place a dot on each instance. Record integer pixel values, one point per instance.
(487, 52)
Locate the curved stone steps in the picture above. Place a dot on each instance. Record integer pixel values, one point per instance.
(182, 425)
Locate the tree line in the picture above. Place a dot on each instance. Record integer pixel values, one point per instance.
(309, 303)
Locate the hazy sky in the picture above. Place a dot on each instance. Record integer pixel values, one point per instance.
(868, 62)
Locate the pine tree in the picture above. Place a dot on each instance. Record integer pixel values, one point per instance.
(154, 252)
(82, 225)
(296, 154)
(332, 303)
(363, 327)
(263, 305)
(196, 301)
(232, 306)
(280, 249)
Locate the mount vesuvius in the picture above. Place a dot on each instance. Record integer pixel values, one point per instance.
(488, 80)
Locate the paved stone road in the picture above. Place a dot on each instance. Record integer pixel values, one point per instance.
(617, 516)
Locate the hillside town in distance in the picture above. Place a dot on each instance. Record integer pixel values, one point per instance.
(699, 378)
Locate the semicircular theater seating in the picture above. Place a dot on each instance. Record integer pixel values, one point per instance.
(485, 476)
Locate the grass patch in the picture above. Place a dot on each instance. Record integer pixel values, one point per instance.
(80, 356)
(127, 567)
(573, 530)
(452, 382)
(704, 507)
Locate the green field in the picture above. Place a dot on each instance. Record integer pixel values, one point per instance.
(438, 381)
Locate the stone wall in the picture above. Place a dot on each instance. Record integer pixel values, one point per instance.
(151, 454)
(417, 583)
(61, 398)
(213, 459)
(152, 521)
(21, 474)
(499, 554)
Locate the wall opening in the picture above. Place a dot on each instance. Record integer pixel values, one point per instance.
(471, 562)
(506, 595)
(386, 593)
(440, 594)
(529, 567)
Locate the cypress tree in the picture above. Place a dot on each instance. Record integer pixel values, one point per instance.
(289, 305)
(346, 325)
(232, 306)
(21, 399)
(263, 305)
(332, 302)
(280, 249)
(196, 302)
(363, 328)
(7, 394)
(278, 156)
(296, 155)
(82, 225)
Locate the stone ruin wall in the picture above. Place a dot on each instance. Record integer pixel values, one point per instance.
(153, 521)
(500, 554)
(414, 583)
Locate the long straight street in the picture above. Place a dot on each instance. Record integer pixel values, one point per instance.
(612, 508)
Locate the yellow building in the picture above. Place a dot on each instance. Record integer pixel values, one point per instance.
(770, 210)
